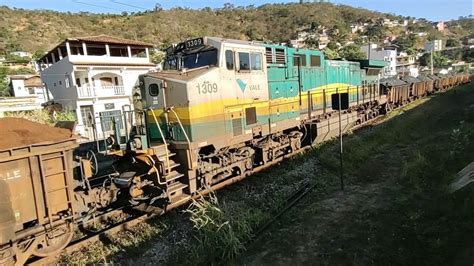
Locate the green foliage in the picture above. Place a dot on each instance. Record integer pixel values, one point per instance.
(375, 32)
(439, 60)
(452, 43)
(156, 57)
(352, 52)
(38, 54)
(330, 53)
(312, 42)
(406, 43)
(44, 117)
(217, 230)
(42, 30)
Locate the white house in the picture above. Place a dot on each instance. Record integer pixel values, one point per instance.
(406, 65)
(28, 86)
(435, 45)
(386, 53)
(21, 53)
(94, 77)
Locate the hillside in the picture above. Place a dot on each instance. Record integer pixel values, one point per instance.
(41, 30)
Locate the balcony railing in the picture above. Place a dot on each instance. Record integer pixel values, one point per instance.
(100, 91)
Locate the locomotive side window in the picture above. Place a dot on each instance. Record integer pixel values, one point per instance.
(280, 56)
(250, 115)
(315, 61)
(299, 58)
(244, 61)
(229, 59)
(255, 61)
(153, 89)
(269, 55)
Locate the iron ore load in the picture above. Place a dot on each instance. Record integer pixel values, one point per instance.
(219, 111)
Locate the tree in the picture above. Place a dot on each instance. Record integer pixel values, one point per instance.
(312, 42)
(4, 87)
(332, 45)
(158, 7)
(38, 54)
(405, 43)
(156, 57)
(330, 53)
(375, 32)
(452, 43)
(439, 60)
(352, 52)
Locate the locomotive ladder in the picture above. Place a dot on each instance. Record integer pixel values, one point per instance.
(174, 188)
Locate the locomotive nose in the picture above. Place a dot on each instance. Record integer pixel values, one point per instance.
(151, 91)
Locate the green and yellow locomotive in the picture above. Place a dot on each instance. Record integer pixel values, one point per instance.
(223, 107)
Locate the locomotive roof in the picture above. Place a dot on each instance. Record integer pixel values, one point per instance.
(242, 42)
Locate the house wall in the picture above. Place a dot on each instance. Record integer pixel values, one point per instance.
(386, 55)
(54, 77)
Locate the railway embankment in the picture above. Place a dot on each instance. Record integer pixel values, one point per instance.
(395, 207)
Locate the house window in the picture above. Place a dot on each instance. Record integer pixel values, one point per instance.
(31, 90)
(315, 61)
(54, 84)
(244, 61)
(116, 81)
(87, 114)
(255, 61)
(106, 82)
(251, 115)
(60, 83)
(66, 82)
(78, 82)
(229, 59)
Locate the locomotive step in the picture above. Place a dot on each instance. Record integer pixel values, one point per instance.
(162, 156)
(180, 199)
(175, 187)
(173, 176)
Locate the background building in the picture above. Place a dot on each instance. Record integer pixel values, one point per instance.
(94, 77)
(28, 86)
(386, 53)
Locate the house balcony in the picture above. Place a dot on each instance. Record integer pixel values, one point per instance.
(100, 91)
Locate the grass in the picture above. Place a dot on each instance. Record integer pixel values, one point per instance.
(396, 209)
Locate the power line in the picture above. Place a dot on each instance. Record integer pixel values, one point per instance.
(89, 4)
(124, 4)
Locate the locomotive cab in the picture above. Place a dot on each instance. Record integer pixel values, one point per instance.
(208, 91)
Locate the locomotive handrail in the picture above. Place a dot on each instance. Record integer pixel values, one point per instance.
(180, 124)
(164, 140)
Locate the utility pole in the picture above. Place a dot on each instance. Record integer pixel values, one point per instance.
(432, 71)
(340, 140)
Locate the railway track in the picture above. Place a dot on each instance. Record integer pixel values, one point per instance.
(136, 219)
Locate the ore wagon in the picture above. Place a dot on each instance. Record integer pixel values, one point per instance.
(35, 192)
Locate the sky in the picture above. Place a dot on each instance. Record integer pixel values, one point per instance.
(434, 10)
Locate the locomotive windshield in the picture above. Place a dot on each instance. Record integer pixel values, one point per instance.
(190, 54)
(193, 59)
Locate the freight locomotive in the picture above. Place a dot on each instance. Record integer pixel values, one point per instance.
(219, 110)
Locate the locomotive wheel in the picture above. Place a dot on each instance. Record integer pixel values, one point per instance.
(54, 241)
(90, 155)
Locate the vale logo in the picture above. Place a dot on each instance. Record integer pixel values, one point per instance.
(242, 84)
